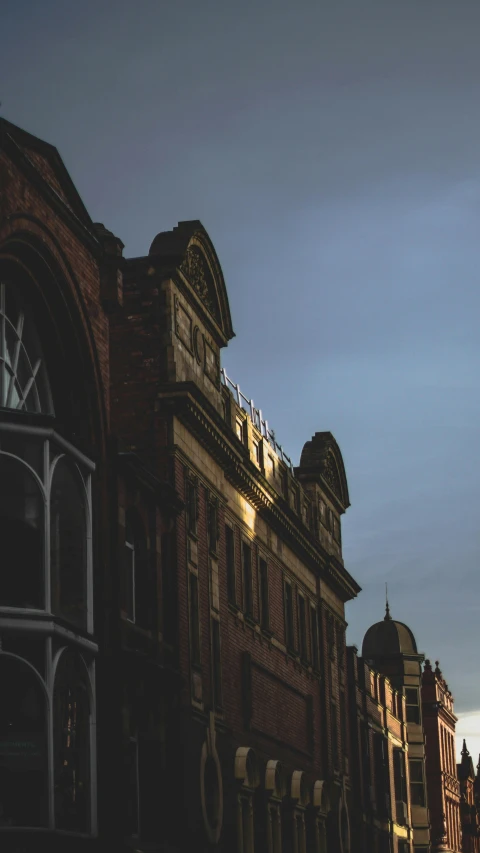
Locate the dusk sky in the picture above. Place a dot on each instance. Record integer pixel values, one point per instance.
(332, 152)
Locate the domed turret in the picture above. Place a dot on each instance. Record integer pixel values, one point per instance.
(387, 638)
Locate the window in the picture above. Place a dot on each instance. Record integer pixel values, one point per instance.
(314, 638)
(399, 775)
(413, 708)
(289, 630)
(343, 722)
(382, 781)
(264, 609)
(23, 746)
(194, 621)
(213, 526)
(272, 465)
(72, 735)
(216, 664)
(257, 452)
(191, 506)
(247, 580)
(417, 787)
(136, 592)
(334, 730)
(129, 601)
(302, 628)
(239, 430)
(68, 544)
(23, 379)
(230, 559)
(21, 536)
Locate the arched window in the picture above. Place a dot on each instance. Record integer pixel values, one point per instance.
(23, 378)
(23, 746)
(21, 536)
(72, 744)
(137, 591)
(68, 545)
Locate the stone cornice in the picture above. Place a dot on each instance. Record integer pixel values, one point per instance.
(186, 401)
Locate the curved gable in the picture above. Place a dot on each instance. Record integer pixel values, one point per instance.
(189, 248)
(321, 457)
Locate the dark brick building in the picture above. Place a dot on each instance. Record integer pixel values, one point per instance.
(173, 663)
(172, 595)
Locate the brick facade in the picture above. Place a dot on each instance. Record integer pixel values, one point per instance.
(206, 698)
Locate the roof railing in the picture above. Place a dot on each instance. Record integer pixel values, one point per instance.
(256, 417)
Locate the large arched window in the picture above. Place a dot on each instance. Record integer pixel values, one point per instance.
(21, 536)
(23, 746)
(68, 544)
(23, 378)
(72, 744)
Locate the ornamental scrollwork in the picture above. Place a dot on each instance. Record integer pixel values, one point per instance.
(198, 274)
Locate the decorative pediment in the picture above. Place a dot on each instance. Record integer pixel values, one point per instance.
(321, 459)
(188, 248)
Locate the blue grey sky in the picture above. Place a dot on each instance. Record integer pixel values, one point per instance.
(332, 151)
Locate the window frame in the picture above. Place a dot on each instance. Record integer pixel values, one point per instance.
(289, 616)
(247, 579)
(194, 621)
(264, 593)
(230, 564)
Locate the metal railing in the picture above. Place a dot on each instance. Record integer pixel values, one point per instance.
(256, 418)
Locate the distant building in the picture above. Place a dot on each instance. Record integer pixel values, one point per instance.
(442, 782)
(469, 802)
(379, 767)
(390, 648)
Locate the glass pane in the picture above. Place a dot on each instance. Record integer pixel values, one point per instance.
(68, 554)
(23, 752)
(21, 535)
(28, 448)
(416, 771)
(71, 728)
(23, 358)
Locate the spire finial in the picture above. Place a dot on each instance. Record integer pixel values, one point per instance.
(464, 748)
(387, 608)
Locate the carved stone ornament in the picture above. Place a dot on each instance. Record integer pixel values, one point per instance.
(330, 475)
(195, 269)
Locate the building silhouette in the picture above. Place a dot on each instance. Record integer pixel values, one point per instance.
(173, 661)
